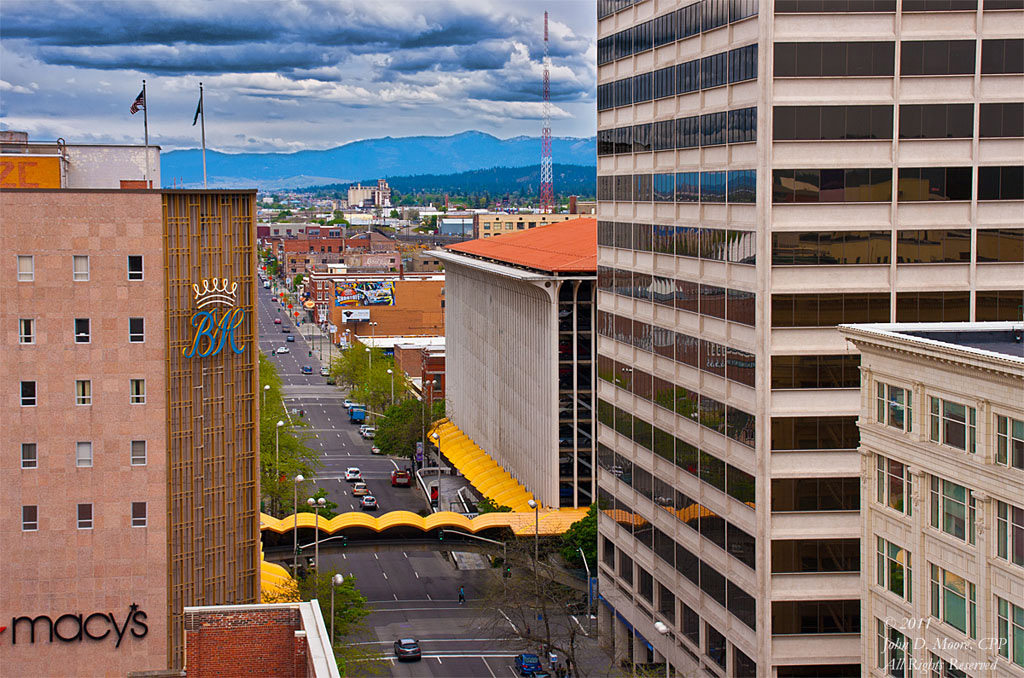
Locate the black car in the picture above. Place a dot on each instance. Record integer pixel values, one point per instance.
(407, 649)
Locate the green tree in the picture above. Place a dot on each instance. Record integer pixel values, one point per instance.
(582, 534)
(327, 511)
(487, 505)
(349, 615)
(404, 424)
(283, 449)
(297, 282)
(394, 214)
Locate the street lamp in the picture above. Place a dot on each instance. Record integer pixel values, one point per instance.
(336, 581)
(265, 389)
(369, 360)
(277, 451)
(590, 617)
(392, 373)
(316, 505)
(663, 629)
(295, 529)
(536, 545)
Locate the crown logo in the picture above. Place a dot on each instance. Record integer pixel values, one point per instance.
(215, 291)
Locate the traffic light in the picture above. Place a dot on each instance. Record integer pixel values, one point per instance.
(344, 540)
(508, 571)
(440, 535)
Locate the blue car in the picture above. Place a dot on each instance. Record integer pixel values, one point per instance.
(527, 664)
(306, 369)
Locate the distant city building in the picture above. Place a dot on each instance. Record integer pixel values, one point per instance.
(519, 350)
(370, 196)
(130, 431)
(422, 260)
(942, 471)
(488, 225)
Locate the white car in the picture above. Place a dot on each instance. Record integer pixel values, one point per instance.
(352, 473)
(282, 349)
(347, 402)
(369, 433)
(362, 428)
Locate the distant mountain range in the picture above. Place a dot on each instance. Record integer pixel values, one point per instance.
(496, 181)
(377, 158)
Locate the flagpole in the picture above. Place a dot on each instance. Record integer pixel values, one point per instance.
(145, 125)
(202, 126)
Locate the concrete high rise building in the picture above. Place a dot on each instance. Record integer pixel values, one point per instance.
(129, 436)
(767, 172)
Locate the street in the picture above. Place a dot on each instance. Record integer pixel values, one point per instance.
(411, 594)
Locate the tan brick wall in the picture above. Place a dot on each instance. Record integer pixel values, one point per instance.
(60, 569)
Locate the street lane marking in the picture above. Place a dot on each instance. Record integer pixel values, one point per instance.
(502, 613)
(417, 574)
(428, 597)
(488, 667)
(395, 595)
(384, 573)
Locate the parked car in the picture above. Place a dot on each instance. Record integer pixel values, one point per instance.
(266, 285)
(347, 403)
(290, 337)
(360, 490)
(369, 503)
(353, 473)
(374, 450)
(324, 372)
(306, 369)
(362, 428)
(407, 649)
(527, 664)
(370, 433)
(282, 349)
(277, 321)
(401, 478)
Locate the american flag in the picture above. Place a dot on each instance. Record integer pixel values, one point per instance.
(140, 102)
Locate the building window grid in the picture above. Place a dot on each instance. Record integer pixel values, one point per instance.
(83, 333)
(26, 268)
(83, 454)
(138, 453)
(83, 392)
(26, 331)
(894, 569)
(137, 390)
(29, 518)
(894, 485)
(85, 516)
(136, 330)
(139, 514)
(953, 601)
(80, 268)
(895, 407)
(135, 267)
(28, 394)
(1010, 442)
(29, 455)
(894, 655)
(1010, 629)
(1010, 533)
(953, 424)
(953, 509)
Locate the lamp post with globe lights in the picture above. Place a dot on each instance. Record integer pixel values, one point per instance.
(295, 529)
(316, 505)
(336, 581)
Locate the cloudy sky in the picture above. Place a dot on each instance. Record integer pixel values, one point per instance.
(282, 75)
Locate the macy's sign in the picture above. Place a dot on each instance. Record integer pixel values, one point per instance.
(72, 628)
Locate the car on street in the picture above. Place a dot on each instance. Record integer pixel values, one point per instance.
(369, 503)
(407, 649)
(527, 664)
(362, 428)
(266, 285)
(360, 490)
(347, 402)
(286, 330)
(290, 337)
(324, 372)
(277, 321)
(282, 349)
(401, 478)
(374, 450)
(353, 473)
(369, 432)
(306, 369)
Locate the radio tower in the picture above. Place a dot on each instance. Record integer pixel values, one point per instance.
(547, 192)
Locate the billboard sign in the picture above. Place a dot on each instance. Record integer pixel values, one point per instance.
(377, 293)
(354, 316)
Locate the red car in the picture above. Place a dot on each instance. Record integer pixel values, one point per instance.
(401, 478)
(277, 321)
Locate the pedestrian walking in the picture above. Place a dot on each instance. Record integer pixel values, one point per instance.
(462, 595)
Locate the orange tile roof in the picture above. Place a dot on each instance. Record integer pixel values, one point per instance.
(564, 247)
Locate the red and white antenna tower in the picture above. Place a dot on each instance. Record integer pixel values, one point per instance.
(547, 191)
